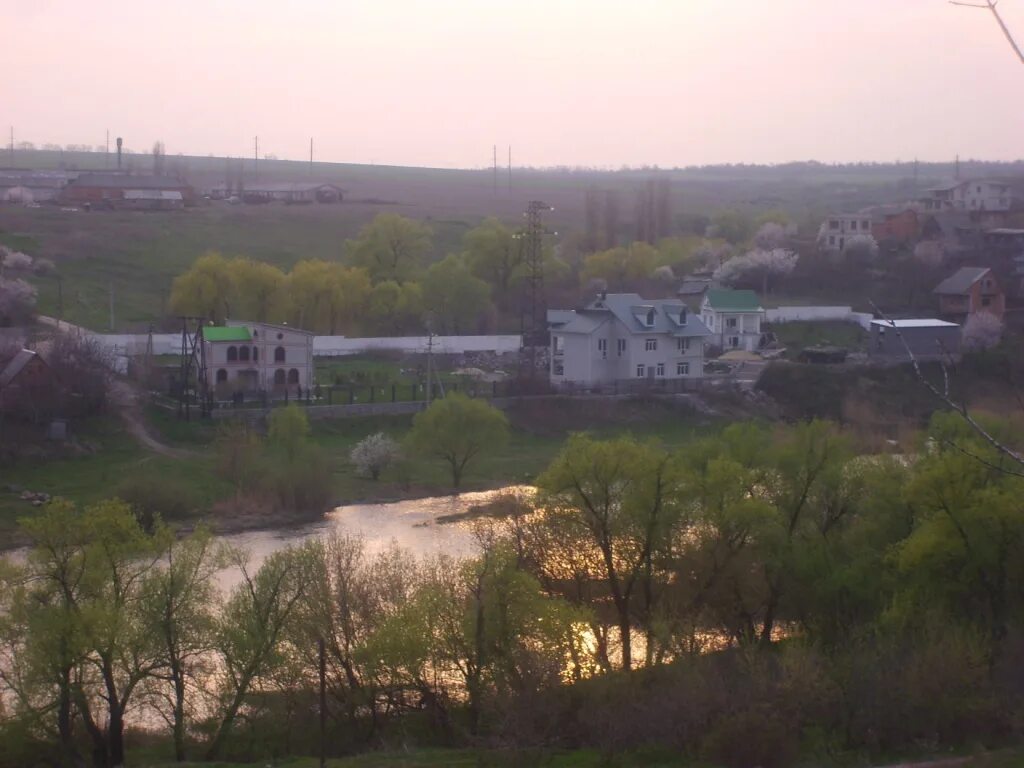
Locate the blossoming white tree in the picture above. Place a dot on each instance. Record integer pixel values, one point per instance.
(983, 330)
(17, 301)
(373, 454)
(757, 264)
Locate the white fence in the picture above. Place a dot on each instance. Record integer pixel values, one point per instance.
(334, 346)
(811, 314)
(131, 344)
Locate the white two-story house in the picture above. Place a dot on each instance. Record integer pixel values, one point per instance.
(733, 319)
(975, 195)
(258, 357)
(840, 227)
(623, 337)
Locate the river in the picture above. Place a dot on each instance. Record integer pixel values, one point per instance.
(410, 524)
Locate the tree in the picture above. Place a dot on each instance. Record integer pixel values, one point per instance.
(288, 431)
(179, 607)
(260, 288)
(757, 267)
(769, 236)
(250, 628)
(458, 430)
(206, 290)
(326, 295)
(239, 452)
(494, 255)
(621, 266)
(860, 249)
(390, 247)
(733, 226)
(17, 301)
(983, 330)
(619, 499)
(457, 300)
(373, 454)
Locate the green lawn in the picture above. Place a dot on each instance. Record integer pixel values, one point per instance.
(796, 337)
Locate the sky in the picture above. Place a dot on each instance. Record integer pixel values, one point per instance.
(595, 83)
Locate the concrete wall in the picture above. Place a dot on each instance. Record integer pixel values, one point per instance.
(812, 314)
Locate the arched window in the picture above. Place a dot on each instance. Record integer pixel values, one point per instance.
(255, 354)
(243, 354)
(279, 378)
(232, 354)
(279, 355)
(222, 375)
(293, 376)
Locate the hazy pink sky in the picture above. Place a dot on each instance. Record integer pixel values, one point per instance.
(566, 82)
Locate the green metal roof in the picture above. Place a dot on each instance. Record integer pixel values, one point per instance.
(232, 333)
(733, 301)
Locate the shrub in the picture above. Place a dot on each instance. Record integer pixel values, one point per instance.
(373, 454)
(152, 495)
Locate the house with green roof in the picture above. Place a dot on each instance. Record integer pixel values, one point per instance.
(251, 358)
(733, 318)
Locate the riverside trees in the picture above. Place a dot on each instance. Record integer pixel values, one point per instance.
(769, 582)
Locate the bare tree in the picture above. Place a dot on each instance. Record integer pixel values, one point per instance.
(991, 5)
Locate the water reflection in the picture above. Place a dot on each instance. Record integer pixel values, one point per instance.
(410, 524)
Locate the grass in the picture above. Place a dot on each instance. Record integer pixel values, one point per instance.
(110, 455)
(796, 337)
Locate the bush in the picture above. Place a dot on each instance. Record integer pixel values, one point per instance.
(151, 495)
(303, 484)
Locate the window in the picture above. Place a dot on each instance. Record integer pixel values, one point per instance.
(293, 376)
(602, 347)
(683, 345)
(865, 225)
(559, 368)
(682, 369)
(280, 336)
(640, 371)
(255, 354)
(986, 301)
(833, 224)
(651, 345)
(279, 355)
(734, 341)
(730, 322)
(853, 224)
(232, 354)
(243, 354)
(661, 369)
(831, 239)
(222, 375)
(622, 347)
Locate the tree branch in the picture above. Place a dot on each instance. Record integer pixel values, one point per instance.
(991, 6)
(960, 408)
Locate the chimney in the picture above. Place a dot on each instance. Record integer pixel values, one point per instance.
(119, 142)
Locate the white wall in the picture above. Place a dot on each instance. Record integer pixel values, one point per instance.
(810, 314)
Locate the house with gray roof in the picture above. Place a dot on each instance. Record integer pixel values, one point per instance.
(624, 337)
(968, 291)
(733, 318)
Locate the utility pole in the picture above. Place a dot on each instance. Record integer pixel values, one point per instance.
(256, 159)
(509, 167)
(106, 154)
(60, 298)
(311, 156)
(495, 169)
(111, 306)
(12, 146)
(958, 167)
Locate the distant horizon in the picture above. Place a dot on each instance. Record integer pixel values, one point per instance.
(134, 153)
(598, 84)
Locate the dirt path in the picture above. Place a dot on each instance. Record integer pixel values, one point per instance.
(126, 399)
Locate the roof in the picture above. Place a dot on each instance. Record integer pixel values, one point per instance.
(152, 194)
(253, 324)
(288, 186)
(930, 322)
(16, 364)
(127, 181)
(694, 286)
(560, 316)
(1005, 231)
(960, 282)
(724, 300)
(226, 333)
(629, 308)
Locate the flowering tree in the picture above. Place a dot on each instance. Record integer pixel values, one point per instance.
(14, 259)
(373, 454)
(861, 249)
(757, 265)
(17, 301)
(983, 330)
(770, 236)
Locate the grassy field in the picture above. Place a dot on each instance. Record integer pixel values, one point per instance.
(796, 337)
(109, 455)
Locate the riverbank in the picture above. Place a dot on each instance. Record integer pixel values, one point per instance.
(103, 458)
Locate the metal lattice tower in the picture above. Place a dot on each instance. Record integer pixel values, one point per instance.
(192, 362)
